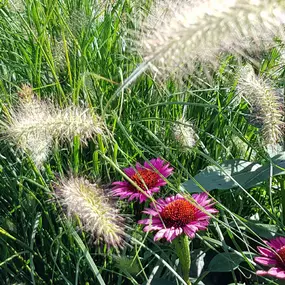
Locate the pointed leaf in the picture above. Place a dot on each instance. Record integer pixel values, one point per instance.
(233, 173)
(263, 230)
(226, 261)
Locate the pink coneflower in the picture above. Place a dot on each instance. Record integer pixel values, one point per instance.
(176, 215)
(148, 177)
(274, 258)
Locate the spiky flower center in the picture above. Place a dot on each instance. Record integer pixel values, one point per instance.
(281, 254)
(145, 178)
(178, 213)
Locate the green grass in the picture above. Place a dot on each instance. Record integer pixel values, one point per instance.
(80, 52)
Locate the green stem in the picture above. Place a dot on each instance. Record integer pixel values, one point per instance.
(282, 182)
(181, 244)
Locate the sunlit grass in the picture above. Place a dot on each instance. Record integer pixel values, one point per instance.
(81, 53)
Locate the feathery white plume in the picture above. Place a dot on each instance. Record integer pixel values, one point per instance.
(76, 121)
(184, 133)
(176, 36)
(94, 208)
(35, 124)
(27, 128)
(266, 104)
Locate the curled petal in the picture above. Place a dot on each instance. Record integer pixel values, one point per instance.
(266, 252)
(261, 272)
(160, 234)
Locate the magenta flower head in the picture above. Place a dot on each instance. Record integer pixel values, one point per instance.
(148, 177)
(274, 258)
(176, 215)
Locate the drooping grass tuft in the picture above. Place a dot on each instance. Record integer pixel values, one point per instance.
(95, 209)
(184, 133)
(266, 103)
(35, 123)
(174, 37)
(76, 121)
(27, 128)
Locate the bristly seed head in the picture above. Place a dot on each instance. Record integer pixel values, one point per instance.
(184, 133)
(94, 208)
(76, 121)
(266, 103)
(175, 36)
(27, 127)
(35, 123)
(26, 92)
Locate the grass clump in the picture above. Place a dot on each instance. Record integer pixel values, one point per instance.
(186, 163)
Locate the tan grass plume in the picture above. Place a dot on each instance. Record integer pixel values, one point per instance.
(266, 104)
(34, 125)
(95, 209)
(184, 133)
(176, 35)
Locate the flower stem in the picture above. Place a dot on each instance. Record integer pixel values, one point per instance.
(181, 244)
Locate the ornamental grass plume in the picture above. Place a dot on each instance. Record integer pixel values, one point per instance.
(146, 178)
(35, 124)
(184, 133)
(273, 256)
(26, 126)
(95, 209)
(176, 215)
(178, 35)
(76, 121)
(266, 104)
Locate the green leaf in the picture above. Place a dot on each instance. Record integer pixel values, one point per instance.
(213, 177)
(263, 173)
(195, 280)
(226, 262)
(88, 257)
(233, 173)
(263, 230)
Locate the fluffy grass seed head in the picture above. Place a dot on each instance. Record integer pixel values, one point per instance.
(27, 127)
(76, 121)
(184, 133)
(175, 37)
(58, 52)
(26, 92)
(266, 104)
(94, 208)
(35, 124)
(16, 5)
